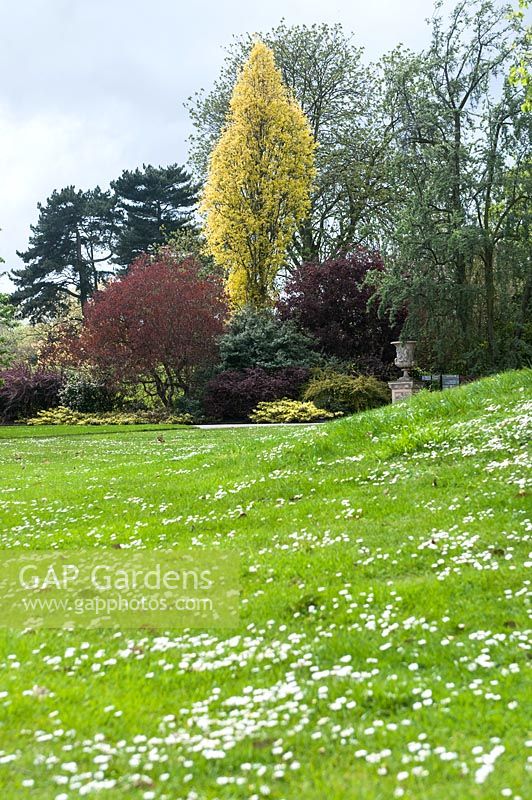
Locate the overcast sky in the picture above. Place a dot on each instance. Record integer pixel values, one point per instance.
(92, 87)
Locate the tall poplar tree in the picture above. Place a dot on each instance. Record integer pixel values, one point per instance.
(259, 184)
(341, 95)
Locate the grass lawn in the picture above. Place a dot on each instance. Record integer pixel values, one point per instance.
(383, 647)
(45, 431)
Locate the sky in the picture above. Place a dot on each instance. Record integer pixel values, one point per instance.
(92, 87)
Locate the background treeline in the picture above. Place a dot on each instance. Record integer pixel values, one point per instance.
(419, 215)
(82, 238)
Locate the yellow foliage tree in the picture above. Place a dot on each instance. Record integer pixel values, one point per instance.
(260, 178)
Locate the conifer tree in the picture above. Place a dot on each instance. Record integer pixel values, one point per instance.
(154, 203)
(68, 254)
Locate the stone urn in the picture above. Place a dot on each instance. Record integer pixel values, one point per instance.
(405, 386)
(405, 357)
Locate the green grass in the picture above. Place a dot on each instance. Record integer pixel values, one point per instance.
(383, 647)
(45, 431)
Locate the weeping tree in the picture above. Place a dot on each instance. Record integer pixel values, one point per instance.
(462, 175)
(259, 182)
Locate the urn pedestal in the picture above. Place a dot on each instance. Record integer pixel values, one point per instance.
(403, 389)
(405, 386)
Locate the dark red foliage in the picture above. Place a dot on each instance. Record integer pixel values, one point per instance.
(330, 301)
(25, 391)
(232, 395)
(157, 325)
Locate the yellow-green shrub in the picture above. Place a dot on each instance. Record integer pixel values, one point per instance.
(289, 411)
(65, 416)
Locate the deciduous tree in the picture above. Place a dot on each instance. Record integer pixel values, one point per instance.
(521, 72)
(156, 325)
(352, 197)
(462, 173)
(260, 177)
(331, 301)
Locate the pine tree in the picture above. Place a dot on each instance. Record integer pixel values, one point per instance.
(155, 202)
(68, 254)
(260, 177)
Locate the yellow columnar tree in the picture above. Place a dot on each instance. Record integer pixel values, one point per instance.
(260, 178)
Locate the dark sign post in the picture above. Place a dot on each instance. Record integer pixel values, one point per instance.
(450, 381)
(432, 382)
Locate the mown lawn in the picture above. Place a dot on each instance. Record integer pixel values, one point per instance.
(45, 431)
(383, 648)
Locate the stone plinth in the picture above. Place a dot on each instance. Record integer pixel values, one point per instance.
(404, 388)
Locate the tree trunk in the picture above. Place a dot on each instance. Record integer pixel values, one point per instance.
(525, 306)
(85, 288)
(460, 273)
(308, 250)
(489, 294)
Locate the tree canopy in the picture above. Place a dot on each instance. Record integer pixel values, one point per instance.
(341, 98)
(260, 177)
(331, 301)
(68, 254)
(307, 153)
(156, 325)
(462, 172)
(153, 203)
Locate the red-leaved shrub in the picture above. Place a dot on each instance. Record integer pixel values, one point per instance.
(331, 301)
(158, 325)
(25, 391)
(233, 395)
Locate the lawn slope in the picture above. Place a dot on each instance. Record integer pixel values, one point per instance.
(383, 649)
